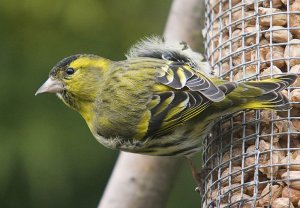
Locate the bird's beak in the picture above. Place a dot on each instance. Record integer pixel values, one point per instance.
(51, 86)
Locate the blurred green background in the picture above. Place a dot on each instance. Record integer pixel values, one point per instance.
(48, 157)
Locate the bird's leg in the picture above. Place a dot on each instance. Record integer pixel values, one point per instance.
(198, 176)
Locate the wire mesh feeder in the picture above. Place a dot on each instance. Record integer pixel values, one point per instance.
(253, 157)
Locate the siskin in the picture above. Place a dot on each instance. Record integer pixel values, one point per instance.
(161, 100)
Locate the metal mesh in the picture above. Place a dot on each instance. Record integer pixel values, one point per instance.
(253, 158)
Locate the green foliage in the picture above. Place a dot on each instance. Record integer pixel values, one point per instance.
(48, 157)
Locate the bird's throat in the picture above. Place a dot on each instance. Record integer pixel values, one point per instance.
(83, 107)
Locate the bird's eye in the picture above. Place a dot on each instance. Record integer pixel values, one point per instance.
(70, 71)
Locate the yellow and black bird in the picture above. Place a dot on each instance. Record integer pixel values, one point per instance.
(161, 100)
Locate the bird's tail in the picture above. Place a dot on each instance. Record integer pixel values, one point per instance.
(270, 96)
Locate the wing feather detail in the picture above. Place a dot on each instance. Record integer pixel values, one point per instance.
(182, 106)
(179, 76)
(190, 93)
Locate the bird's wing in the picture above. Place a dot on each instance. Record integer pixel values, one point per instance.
(188, 93)
(179, 76)
(171, 109)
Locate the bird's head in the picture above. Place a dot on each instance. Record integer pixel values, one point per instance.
(74, 79)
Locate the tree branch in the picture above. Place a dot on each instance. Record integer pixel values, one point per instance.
(185, 22)
(140, 181)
